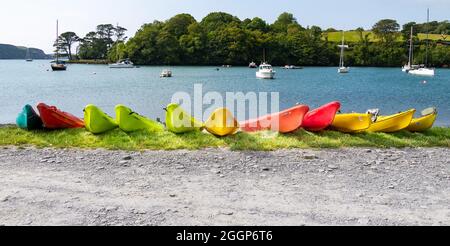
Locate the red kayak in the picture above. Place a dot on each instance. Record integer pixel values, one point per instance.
(53, 118)
(283, 122)
(321, 118)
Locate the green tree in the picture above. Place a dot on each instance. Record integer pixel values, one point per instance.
(386, 30)
(66, 41)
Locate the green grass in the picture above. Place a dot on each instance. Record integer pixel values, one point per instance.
(264, 141)
(353, 36)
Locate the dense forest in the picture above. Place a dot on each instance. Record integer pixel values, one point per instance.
(221, 38)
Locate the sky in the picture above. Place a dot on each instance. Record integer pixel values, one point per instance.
(31, 23)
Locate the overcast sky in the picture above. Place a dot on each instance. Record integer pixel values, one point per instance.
(32, 23)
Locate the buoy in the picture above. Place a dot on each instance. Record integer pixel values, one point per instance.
(424, 82)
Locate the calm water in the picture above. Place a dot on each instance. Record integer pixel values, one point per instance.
(141, 89)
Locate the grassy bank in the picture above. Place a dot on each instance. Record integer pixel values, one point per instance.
(79, 138)
(353, 36)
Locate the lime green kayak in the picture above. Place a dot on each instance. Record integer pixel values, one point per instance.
(97, 121)
(130, 121)
(179, 121)
(28, 119)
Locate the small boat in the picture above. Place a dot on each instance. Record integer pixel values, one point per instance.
(179, 121)
(252, 65)
(342, 68)
(166, 73)
(53, 118)
(423, 70)
(130, 121)
(425, 122)
(288, 67)
(28, 119)
(408, 67)
(265, 71)
(96, 121)
(351, 123)
(284, 122)
(321, 118)
(126, 63)
(58, 65)
(28, 57)
(392, 123)
(222, 123)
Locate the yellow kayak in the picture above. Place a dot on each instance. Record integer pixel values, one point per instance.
(222, 123)
(351, 123)
(424, 123)
(392, 123)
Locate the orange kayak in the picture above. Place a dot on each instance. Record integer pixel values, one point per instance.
(321, 118)
(53, 118)
(284, 122)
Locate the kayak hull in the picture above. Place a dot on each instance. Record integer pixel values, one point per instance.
(422, 124)
(321, 118)
(97, 121)
(28, 119)
(393, 123)
(179, 121)
(130, 121)
(351, 123)
(222, 123)
(53, 118)
(286, 121)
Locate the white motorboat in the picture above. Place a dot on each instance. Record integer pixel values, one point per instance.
(342, 68)
(166, 73)
(122, 64)
(265, 71)
(252, 65)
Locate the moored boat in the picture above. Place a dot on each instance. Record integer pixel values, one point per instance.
(166, 73)
(126, 63)
(265, 71)
(342, 68)
(58, 65)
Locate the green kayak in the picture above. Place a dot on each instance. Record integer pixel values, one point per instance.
(97, 121)
(178, 121)
(28, 119)
(130, 121)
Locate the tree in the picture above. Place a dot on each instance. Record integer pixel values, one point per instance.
(66, 41)
(386, 30)
(217, 20)
(119, 33)
(284, 21)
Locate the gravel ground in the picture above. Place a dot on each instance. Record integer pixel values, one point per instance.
(221, 187)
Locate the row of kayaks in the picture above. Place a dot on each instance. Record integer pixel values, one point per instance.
(223, 123)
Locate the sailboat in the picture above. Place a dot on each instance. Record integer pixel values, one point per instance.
(342, 68)
(28, 56)
(408, 67)
(424, 70)
(265, 70)
(58, 65)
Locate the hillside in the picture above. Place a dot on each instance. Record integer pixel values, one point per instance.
(353, 36)
(8, 51)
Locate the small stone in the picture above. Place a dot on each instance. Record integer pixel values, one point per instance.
(100, 168)
(173, 195)
(333, 167)
(266, 169)
(5, 199)
(391, 187)
(330, 176)
(228, 213)
(127, 158)
(179, 167)
(310, 157)
(321, 170)
(124, 163)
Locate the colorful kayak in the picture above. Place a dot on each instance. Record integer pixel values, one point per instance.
(53, 118)
(28, 119)
(392, 123)
(351, 123)
(97, 121)
(179, 121)
(284, 122)
(321, 118)
(222, 123)
(130, 121)
(424, 123)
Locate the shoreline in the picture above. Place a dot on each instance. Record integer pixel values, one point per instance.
(220, 187)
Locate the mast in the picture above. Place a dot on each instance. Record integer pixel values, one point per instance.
(341, 62)
(57, 41)
(428, 34)
(411, 48)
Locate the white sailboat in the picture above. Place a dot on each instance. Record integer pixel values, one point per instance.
(342, 68)
(424, 70)
(408, 67)
(28, 56)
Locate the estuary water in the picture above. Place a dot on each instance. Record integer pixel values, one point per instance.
(141, 88)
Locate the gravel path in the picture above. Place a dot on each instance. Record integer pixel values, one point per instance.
(220, 187)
